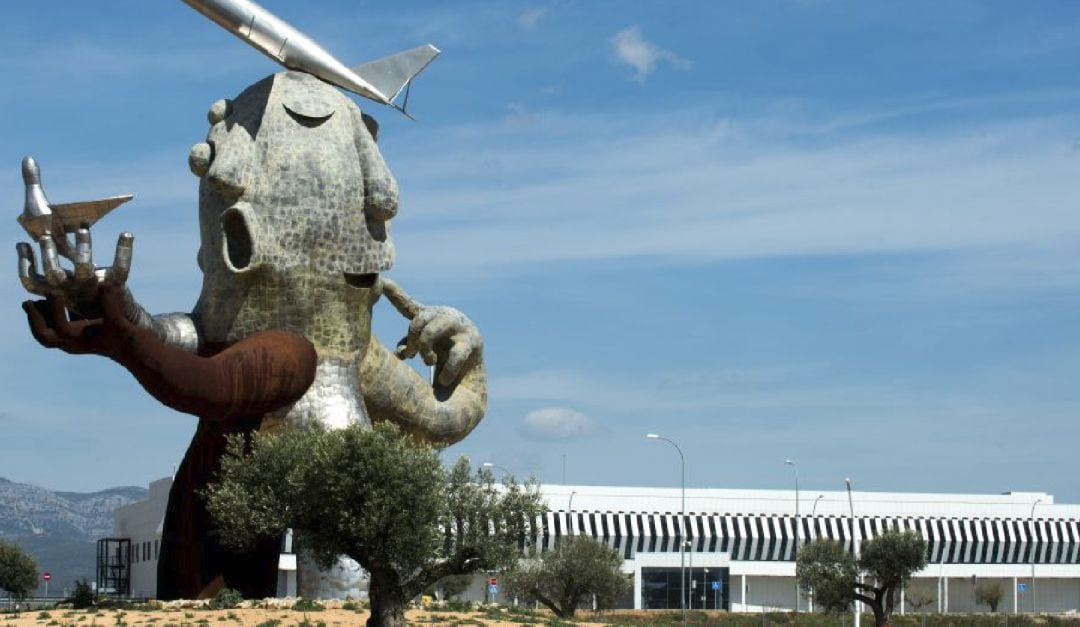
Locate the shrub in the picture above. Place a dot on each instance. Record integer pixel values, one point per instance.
(307, 605)
(83, 596)
(226, 599)
(455, 605)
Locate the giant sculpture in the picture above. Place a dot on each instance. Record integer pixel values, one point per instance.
(295, 203)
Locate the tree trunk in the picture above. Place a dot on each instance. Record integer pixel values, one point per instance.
(881, 618)
(387, 600)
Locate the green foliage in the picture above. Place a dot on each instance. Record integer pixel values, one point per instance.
(569, 576)
(886, 563)
(83, 595)
(450, 586)
(273, 622)
(989, 593)
(919, 599)
(456, 605)
(307, 605)
(826, 570)
(893, 557)
(376, 495)
(18, 570)
(226, 599)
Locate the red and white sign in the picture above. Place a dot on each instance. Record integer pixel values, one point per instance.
(493, 581)
(46, 576)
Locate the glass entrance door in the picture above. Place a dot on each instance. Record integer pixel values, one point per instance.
(662, 589)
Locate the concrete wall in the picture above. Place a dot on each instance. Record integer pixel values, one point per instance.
(141, 523)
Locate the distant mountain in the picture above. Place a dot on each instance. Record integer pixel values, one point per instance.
(60, 529)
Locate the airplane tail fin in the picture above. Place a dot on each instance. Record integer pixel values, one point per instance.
(392, 74)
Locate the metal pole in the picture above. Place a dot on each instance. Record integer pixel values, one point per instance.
(1031, 534)
(855, 545)
(682, 523)
(691, 567)
(491, 465)
(813, 513)
(798, 527)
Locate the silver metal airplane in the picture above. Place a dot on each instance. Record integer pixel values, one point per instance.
(382, 80)
(40, 217)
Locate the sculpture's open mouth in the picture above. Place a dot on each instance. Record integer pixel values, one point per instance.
(238, 237)
(366, 280)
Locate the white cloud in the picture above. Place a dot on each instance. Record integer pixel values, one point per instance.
(555, 424)
(529, 18)
(695, 188)
(642, 55)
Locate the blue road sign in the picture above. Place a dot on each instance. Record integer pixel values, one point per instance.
(493, 590)
(1021, 587)
(716, 585)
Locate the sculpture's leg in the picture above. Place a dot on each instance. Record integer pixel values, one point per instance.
(342, 580)
(191, 562)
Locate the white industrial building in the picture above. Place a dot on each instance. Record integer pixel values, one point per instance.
(740, 544)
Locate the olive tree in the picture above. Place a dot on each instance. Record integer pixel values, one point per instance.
(18, 570)
(989, 593)
(578, 569)
(885, 565)
(378, 496)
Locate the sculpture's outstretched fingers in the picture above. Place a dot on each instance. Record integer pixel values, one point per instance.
(54, 272)
(121, 267)
(405, 304)
(84, 256)
(28, 273)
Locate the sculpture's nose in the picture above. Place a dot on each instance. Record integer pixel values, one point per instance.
(227, 172)
(224, 157)
(226, 182)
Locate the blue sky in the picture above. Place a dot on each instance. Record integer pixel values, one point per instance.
(840, 232)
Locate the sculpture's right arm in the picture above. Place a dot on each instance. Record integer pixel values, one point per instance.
(251, 377)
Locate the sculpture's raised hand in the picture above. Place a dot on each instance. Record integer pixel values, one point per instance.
(443, 336)
(106, 335)
(78, 287)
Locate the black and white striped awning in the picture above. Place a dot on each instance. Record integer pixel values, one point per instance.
(749, 537)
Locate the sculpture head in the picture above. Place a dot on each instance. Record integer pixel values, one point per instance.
(294, 208)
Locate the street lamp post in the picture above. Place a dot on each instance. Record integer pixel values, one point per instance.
(855, 544)
(1031, 534)
(798, 528)
(491, 465)
(682, 523)
(570, 509)
(813, 512)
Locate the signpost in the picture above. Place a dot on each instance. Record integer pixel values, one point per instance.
(47, 577)
(716, 594)
(1021, 588)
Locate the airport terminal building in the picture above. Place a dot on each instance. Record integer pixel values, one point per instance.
(739, 545)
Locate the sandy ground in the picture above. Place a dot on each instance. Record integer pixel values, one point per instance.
(188, 617)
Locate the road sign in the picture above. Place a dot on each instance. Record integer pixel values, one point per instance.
(493, 581)
(1021, 587)
(716, 585)
(493, 589)
(46, 576)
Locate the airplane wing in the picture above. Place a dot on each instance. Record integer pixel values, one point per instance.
(391, 74)
(71, 216)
